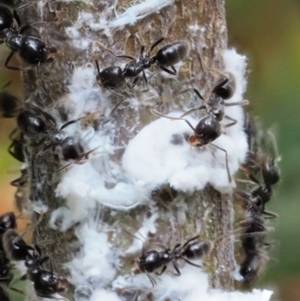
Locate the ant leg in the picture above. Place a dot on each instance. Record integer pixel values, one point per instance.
(126, 57)
(145, 80)
(12, 153)
(6, 85)
(245, 181)
(16, 16)
(8, 60)
(191, 263)
(234, 121)
(173, 72)
(188, 89)
(24, 28)
(269, 214)
(193, 110)
(142, 51)
(249, 176)
(12, 134)
(116, 106)
(23, 6)
(85, 156)
(114, 93)
(133, 83)
(16, 290)
(188, 241)
(70, 122)
(176, 269)
(65, 166)
(98, 70)
(156, 43)
(226, 159)
(237, 103)
(162, 271)
(78, 119)
(172, 118)
(103, 47)
(153, 282)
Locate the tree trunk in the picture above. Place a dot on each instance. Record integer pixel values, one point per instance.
(94, 212)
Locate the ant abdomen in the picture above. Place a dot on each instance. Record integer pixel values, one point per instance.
(250, 268)
(197, 249)
(7, 221)
(33, 50)
(111, 77)
(172, 54)
(30, 123)
(14, 245)
(225, 87)
(270, 172)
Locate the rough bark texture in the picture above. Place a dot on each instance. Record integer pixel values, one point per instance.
(45, 85)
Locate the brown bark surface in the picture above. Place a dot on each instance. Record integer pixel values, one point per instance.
(45, 85)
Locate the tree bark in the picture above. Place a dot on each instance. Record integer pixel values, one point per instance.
(202, 24)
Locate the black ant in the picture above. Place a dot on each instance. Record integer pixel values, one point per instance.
(153, 261)
(254, 203)
(257, 198)
(30, 49)
(32, 124)
(45, 282)
(16, 148)
(7, 223)
(253, 247)
(252, 264)
(156, 262)
(209, 127)
(165, 57)
(9, 104)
